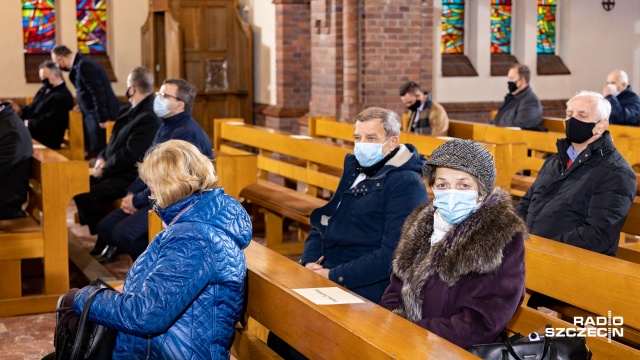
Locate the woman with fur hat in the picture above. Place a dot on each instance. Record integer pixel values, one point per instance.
(458, 270)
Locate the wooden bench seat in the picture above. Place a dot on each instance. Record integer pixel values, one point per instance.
(73, 144)
(315, 163)
(54, 181)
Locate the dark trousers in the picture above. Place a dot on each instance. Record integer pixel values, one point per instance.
(128, 232)
(95, 137)
(95, 205)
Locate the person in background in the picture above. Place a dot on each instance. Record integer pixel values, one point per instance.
(183, 295)
(426, 116)
(48, 114)
(582, 195)
(115, 167)
(16, 150)
(458, 270)
(625, 104)
(521, 107)
(125, 229)
(96, 98)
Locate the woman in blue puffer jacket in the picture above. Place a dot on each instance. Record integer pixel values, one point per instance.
(183, 295)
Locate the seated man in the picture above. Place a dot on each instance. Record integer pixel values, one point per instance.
(582, 196)
(426, 116)
(625, 104)
(126, 229)
(115, 167)
(357, 231)
(48, 114)
(16, 150)
(521, 107)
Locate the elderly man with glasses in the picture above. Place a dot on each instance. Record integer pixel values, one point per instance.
(125, 229)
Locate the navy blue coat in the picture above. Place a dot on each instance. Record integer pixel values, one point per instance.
(625, 108)
(586, 204)
(183, 295)
(93, 89)
(358, 229)
(48, 115)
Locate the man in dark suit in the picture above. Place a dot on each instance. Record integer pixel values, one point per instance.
(48, 113)
(96, 99)
(15, 163)
(115, 167)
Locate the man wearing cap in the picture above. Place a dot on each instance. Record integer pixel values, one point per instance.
(357, 231)
(582, 195)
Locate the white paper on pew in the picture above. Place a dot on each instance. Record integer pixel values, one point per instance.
(302, 137)
(513, 128)
(328, 296)
(39, 146)
(234, 122)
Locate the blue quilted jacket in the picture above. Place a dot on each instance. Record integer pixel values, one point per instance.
(184, 294)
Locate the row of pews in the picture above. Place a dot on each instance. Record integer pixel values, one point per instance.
(313, 166)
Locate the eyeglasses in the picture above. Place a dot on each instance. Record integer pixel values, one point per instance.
(163, 96)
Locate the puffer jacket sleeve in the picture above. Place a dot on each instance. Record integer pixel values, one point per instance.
(183, 268)
(487, 302)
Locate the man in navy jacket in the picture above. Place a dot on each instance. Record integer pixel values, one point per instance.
(96, 99)
(126, 229)
(625, 104)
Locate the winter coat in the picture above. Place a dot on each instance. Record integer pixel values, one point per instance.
(522, 110)
(625, 108)
(184, 294)
(48, 115)
(437, 123)
(467, 287)
(132, 135)
(16, 150)
(93, 89)
(586, 204)
(358, 229)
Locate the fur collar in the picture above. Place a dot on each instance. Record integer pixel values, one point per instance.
(474, 246)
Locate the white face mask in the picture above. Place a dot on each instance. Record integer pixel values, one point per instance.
(161, 106)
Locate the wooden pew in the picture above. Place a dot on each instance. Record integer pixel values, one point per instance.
(586, 280)
(43, 234)
(73, 145)
(109, 129)
(292, 157)
(348, 331)
(630, 251)
(506, 156)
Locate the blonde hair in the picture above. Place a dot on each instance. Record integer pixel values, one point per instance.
(176, 169)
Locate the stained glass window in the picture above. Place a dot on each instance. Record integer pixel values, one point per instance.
(452, 19)
(546, 26)
(91, 21)
(38, 25)
(501, 26)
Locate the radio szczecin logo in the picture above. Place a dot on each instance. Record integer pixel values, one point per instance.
(591, 326)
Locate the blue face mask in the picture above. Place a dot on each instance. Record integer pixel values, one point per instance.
(455, 205)
(368, 154)
(160, 106)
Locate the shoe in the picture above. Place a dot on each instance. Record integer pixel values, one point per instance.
(109, 255)
(97, 250)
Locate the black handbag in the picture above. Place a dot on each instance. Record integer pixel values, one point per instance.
(77, 337)
(544, 348)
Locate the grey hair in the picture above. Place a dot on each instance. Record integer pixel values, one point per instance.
(142, 78)
(603, 106)
(622, 76)
(390, 120)
(51, 66)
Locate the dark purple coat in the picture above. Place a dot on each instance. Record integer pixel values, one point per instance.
(467, 287)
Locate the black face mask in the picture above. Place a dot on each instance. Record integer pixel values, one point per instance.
(46, 82)
(512, 86)
(578, 131)
(127, 93)
(415, 106)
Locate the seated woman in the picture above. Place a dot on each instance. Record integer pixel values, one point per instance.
(183, 295)
(458, 270)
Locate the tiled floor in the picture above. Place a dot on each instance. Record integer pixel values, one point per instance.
(31, 336)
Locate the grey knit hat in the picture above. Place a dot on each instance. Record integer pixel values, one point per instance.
(467, 156)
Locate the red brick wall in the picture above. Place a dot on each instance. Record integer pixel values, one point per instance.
(293, 53)
(396, 44)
